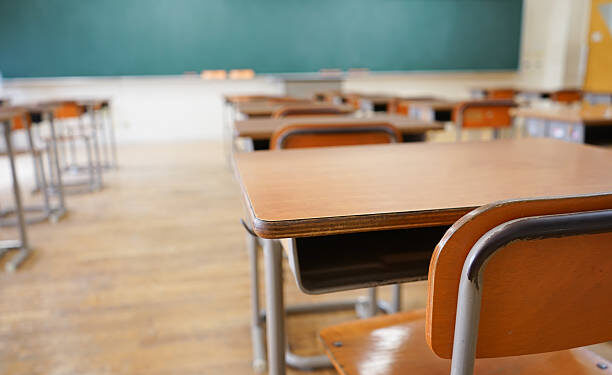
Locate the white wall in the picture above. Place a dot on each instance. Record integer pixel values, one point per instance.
(186, 107)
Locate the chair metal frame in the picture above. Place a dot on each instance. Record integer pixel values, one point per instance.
(471, 285)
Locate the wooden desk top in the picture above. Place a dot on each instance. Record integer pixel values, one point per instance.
(267, 108)
(588, 115)
(8, 112)
(263, 128)
(436, 105)
(309, 192)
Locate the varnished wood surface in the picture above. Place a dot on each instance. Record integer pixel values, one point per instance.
(266, 109)
(524, 291)
(263, 128)
(7, 113)
(149, 276)
(436, 105)
(395, 345)
(297, 193)
(586, 114)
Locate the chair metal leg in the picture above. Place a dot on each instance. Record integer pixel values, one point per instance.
(275, 323)
(96, 145)
(54, 168)
(396, 298)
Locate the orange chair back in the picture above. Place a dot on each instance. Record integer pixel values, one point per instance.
(538, 295)
(305, 110)
(22, 121)
(507, 94)
(566, 96)
(484, 114)
(68, 110)
(325, 135)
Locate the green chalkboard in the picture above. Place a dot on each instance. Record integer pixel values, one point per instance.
(42, 38)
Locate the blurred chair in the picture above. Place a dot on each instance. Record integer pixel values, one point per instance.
(566, 96)
(306, 110)
(318, 135)
(325, 135)
(482, 114)
(497, 303)
(71, 130)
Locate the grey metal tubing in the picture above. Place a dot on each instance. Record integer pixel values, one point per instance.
(307, 308)
(58, 184)
(396, 298)
(257, 326)
(470, 285)
(111, 133)
(307, 363)
(96, 144)
(274, 307)
(24, 249)
(41, 180)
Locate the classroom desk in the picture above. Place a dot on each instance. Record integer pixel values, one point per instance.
(363, 216)
(260, 130)
(585, 124)
(266, 109)
(432, 110)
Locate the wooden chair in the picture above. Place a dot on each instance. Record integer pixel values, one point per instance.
(517, 284)
(325, 135)
(306, 110)
(566, 96)
(483, 114)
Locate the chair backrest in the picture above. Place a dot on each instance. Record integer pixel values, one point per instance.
(566, 96)
(306, 110)
(507, 94)
(484, 114)
(539, 294)
(68, 109)
(325, 135)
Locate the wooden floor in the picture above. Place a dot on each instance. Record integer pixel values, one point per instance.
(149, 276)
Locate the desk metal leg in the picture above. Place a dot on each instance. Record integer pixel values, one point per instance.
(275, 313)
(96, 145)
(57, 184)
(257, 322)
(111, 136)
(24, 249)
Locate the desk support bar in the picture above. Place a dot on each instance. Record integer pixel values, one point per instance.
(470, 285)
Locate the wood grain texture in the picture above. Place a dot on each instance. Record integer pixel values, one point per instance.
(300, 110)
(395, 344)
(263, 128)
(538, 295)
(266, 109)
(297, 193)
(234, 99)
(587, 114)
(324, 135)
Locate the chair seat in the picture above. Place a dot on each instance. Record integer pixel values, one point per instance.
(395, 344)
